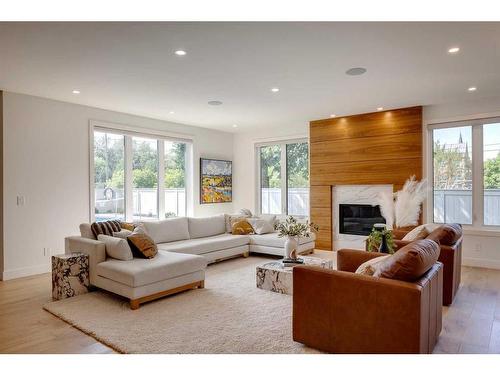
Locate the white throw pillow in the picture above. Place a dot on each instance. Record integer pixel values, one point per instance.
(117, 248)
(417, 233)
(246, 212)
(262, 225)
(124, 233)
(369, 267)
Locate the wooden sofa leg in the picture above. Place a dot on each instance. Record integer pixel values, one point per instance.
(134, 304)
(202, 284)
(246, 254)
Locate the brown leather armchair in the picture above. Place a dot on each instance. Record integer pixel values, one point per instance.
(450, 256)
(339, 311)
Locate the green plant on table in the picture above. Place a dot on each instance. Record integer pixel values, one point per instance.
(375, 238)
(292, 228)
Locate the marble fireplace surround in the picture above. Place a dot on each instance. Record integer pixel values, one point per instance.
(352, 194)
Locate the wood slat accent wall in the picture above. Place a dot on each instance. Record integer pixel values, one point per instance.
(371, 148)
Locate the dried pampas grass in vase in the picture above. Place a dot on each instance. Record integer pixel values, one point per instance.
(408, 202)
(402, 209)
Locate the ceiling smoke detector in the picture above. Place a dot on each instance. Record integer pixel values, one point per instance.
(214, 102)
(355, 71)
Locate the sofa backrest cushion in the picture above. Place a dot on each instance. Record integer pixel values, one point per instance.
(446, 234)
(206, 226)
(168, 230)
(410, 262)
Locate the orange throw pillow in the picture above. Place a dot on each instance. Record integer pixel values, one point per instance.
(142, 245)
(242, 227)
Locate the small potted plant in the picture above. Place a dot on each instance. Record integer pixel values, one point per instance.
(292, 230)
(380, 239)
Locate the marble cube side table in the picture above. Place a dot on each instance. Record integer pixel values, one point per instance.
(70, 275)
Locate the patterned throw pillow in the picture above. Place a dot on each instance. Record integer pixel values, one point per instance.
(105, 227)
(242, 227)
(142, 245)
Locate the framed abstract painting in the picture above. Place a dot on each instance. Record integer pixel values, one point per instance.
(216, 181)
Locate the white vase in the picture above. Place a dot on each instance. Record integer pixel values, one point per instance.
(291, 244)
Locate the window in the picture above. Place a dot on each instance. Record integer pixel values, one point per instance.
(466, 172)
(284, 178)
(452, 157)
(109, 176)
(145, 177)
(270, 179)
(138, 177)
(175, 179)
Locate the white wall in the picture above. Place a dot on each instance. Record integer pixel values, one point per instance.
(481, 248)
(46, 160)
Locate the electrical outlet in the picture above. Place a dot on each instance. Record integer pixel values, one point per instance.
(20, 200)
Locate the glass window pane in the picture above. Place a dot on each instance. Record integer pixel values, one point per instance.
(175, 179)
(297, 165)
(452, 158)
(145, 178)
(109, 176)
(491, 160)
(270, 179)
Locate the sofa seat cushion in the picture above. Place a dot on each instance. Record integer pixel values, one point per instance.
(272, 239)
(138, 272)
(205, 245)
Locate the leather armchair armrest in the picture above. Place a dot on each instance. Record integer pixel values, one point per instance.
(349, 260)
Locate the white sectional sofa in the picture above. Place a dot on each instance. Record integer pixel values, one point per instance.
(185, 247)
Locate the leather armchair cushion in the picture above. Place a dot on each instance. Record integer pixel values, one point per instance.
(411, 262)
(446, 234)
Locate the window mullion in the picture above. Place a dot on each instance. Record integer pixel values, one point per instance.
(284, 189)
(129, 198)
(161, 179)
(477, 176)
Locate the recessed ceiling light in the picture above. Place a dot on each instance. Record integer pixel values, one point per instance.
(275, 89)
(76, 92)
(180, 52)
(332, 115)
(235, 126)
(214, 102)
(453, 50)
(472, 88)
(380, 108)
(355, 71)
(171, 112)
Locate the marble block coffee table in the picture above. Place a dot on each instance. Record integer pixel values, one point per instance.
(275, 277)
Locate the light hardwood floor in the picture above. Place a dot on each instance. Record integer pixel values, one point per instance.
(470, 325)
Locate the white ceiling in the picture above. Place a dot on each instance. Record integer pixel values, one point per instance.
(132, 68)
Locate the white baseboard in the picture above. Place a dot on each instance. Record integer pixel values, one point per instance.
(483, 263)
(25, 271)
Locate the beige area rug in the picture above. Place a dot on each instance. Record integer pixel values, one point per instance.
(229, 316)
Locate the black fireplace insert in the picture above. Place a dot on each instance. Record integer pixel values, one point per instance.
(358, 218)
